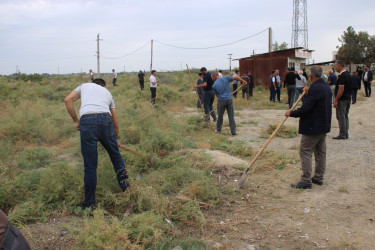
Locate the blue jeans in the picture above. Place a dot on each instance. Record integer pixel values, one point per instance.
(278, 93)
(94, 128)
(272, 94)
(208, 100)
(299, 91)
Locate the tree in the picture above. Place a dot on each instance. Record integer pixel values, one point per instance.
(282, 46)
(356, 47)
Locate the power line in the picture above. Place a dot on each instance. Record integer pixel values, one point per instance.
(211, 47)
(118, 57)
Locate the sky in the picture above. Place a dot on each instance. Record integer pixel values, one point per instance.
(59, 36)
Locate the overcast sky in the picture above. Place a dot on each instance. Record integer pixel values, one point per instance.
(42, 36)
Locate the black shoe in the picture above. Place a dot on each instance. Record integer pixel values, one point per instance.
(234, 134)
(301, 185)
(219, 132)
(347, 136)
(215, 120)
(320, 183)
(339, 137)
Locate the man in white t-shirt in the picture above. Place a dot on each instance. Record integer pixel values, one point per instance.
(91, 76)
(98, 122)
(153, 86)
(220, 73)
(114, 77)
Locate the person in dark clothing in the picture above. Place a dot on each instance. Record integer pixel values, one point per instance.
(200, 91)
(235, 83)
(314, 123)
(367, 78)
(11, 237)
(251, 83)
(305, 74)
(245, 88)
(209, 95)
(141, 79)
(271, 86)
(290, 84)
(360, 75)
(356, 82)
(343, 92)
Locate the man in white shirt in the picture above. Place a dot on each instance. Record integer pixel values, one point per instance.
(98, 122)
(300, 85)
(220, 73)
(114, 77)
(91, 76)
(153, 86)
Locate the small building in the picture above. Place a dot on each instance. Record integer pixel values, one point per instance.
(261, 65)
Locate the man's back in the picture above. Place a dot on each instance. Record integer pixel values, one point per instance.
(222, 88)
(316, 111)
(301, 83)
(94, 99)
(141, 76)
(355, 81)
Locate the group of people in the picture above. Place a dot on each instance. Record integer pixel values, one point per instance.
(294, 83)
(316, 112)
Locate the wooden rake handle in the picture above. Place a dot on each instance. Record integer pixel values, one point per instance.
(133, 151)
(272, 136)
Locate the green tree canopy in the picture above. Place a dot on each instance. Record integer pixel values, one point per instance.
(276, 46)
(356, 47)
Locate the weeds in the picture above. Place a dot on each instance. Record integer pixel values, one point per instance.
(284, 132)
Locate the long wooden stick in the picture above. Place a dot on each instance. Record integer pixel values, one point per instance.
(196, 90)
(133, 151)
(244, 175)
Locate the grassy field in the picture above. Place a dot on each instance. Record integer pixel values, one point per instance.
(41, 168)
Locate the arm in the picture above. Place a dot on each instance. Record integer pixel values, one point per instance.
(339, 94)
(201, 86)
(69, 99)
(115, 122)
(237, 78)
(274, 82)
(309, 102)
(298, 77)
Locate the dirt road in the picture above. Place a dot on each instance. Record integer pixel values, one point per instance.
(271, 215)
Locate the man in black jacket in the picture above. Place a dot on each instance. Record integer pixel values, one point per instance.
(315, 122)
(290, 84)
(367, 78)
(356, 83)
(343, 93)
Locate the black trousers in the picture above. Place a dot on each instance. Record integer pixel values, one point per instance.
(354, 95)
(367, 88)
(234, 89)
(153, 95)
(114, 81)
(142, 84)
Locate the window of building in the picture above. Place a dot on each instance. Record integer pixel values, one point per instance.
(291, 64)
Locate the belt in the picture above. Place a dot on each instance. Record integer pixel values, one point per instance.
(96, 114)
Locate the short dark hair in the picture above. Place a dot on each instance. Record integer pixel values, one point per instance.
(153, 71)
(201, 74)
(220, 71)
(339, 62)
(273, 71)
(100, 82)
(316, 71)
(237, 71)
(203, 69)
(288, 68)
(292, 69)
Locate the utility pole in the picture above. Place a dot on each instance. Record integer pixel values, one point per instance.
(16, 69)
(230, 62)
(269, 39)
(152, 53)
(124, 68)
(58, 70)
(98, 52)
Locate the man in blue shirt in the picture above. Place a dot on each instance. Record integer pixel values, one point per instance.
(221, 88)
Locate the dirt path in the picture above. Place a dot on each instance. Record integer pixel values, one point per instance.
(338, 215)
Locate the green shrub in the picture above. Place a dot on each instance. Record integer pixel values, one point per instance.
(33, 158)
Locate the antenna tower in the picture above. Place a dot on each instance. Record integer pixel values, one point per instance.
(300, 36)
